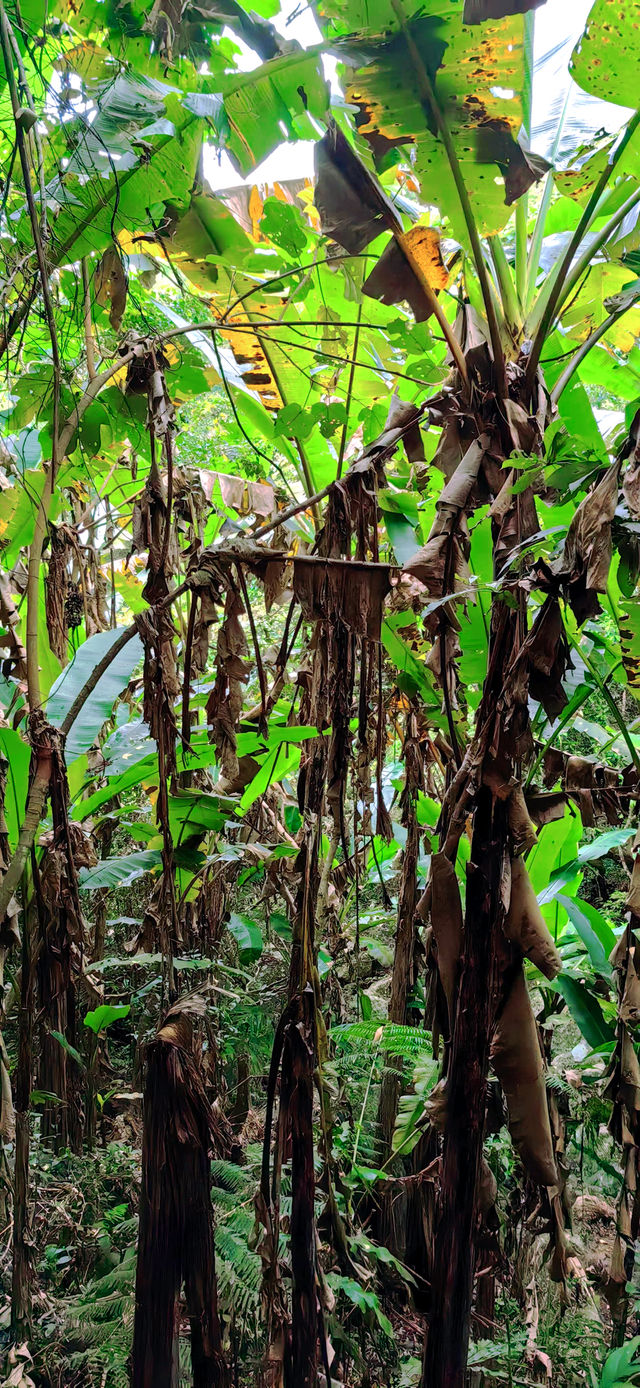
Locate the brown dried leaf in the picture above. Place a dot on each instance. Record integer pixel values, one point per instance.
(393, 281)
(446, 920)
(587, 550)
(548, 654)
(111, 284)
(353, 207)
(402, 424)
(354, 590)
(525, 924)
(517, 1060)
(630, 1004)
(429, 563)
(224, 705)
(521, 826)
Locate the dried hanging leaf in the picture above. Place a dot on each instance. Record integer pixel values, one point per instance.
(224, 704)
(518, 1063)
(393, 280)
(446, 920)
(176, 1241)
(110, 285)
(402, 424)
(356, 590)
(148, 533)
(521, 826)
(56, 586)
(548, 654)
(525, 924)
(161, 412)
(429, 563)
(62, 944)
(353, 207)
(630, 1004)
(584, 568)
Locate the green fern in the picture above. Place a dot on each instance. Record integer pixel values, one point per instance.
(406, 1042)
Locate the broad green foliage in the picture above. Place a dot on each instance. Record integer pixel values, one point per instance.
(214, 358)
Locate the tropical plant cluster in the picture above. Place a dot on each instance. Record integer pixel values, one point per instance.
(319, 694)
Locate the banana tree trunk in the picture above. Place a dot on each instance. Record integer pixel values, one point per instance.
(446, 1348)
(176, 1218)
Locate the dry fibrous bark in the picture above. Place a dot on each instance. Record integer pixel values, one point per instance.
(404, 966)
(479, 953)
(62, 946)
(343, 597)
(176, 1239)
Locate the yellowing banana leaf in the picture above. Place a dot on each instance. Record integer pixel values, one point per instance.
(477, 74)
(606, 61)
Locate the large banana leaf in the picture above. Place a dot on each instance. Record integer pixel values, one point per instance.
(478, 78)
(606, 61)
(564, 117)
(135, 163)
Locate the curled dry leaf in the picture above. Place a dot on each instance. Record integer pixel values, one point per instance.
(584, 567)
(525, 924)
(110, 285)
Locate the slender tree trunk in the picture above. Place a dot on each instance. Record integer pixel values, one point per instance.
(242, 1098)
(299, 1065)
(22, 1270)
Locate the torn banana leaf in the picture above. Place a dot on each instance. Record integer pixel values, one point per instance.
(478, 76)
(476, 11)
(275, 100)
